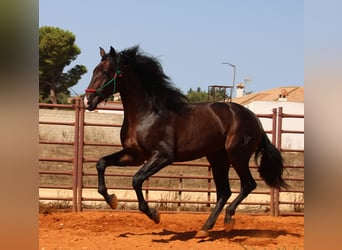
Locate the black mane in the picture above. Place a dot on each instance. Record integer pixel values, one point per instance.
(159, 89)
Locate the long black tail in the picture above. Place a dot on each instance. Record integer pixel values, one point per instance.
(271, 165)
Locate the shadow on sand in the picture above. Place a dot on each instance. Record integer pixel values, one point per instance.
(238, 235)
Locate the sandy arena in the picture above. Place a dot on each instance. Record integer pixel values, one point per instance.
(133, 230)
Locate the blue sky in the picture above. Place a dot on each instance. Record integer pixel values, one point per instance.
(263, 38)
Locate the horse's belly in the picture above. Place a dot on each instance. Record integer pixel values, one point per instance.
(198, 147)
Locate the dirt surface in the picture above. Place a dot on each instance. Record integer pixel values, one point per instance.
(133, 230)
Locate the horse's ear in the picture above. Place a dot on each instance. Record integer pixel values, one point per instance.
(112, 52)
(102, 52)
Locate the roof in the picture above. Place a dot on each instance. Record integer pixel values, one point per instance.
(294, 94)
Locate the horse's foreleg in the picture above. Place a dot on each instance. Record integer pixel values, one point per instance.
(101, 166)
(117, 159)
(152, 166)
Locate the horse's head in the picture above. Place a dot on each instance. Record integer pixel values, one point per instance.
(103, 82)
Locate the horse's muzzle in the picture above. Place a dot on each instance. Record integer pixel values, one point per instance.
(91, 103)
(85, 101)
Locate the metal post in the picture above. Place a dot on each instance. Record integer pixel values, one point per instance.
(279, 134)
(280, 125)
(274, 131)
(209, 186)
(81, 110)
(179, 198)
(234, 73)
(75, 160)
(147, 185)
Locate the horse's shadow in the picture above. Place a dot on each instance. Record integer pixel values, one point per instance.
(238, 235)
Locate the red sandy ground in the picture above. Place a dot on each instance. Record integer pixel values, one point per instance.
(130, 230)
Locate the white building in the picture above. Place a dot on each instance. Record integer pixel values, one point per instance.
(291, 99)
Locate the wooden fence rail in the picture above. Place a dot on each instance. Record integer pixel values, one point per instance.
(79, 180)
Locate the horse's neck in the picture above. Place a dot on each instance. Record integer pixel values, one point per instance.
(133, 104)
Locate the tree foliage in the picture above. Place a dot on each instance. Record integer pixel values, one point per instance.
(217, 94)
(197, 96)
(57, 49)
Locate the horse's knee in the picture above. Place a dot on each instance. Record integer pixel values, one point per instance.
(101, 165)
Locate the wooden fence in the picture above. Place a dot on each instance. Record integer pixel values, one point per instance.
(189, 186)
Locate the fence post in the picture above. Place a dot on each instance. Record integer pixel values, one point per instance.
(75, 159)
(147, 185)
(209, 187)
(80, 108)
(180, 188)
(274, 135)
(280, 127)
(278, 145)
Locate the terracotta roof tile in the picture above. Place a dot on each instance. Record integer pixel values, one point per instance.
(294, 94)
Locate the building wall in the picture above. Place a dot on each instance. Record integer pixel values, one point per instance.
(289, 141)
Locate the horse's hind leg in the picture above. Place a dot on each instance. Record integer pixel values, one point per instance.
(220, 168)
(247, 185)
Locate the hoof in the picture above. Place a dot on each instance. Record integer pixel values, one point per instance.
(202, 234)
(112, 201)
(155, 216)
(229, 224)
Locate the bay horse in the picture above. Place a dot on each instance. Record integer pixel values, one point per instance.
(160, 126)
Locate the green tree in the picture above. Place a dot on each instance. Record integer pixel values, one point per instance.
(197, 96)
(217, 94)
(57, 49)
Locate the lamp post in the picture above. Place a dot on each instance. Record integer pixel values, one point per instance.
(234, 72)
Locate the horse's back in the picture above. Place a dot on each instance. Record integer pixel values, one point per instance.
(204, 128)
(235, 116)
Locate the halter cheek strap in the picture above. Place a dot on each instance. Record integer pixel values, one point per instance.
(99, 89)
